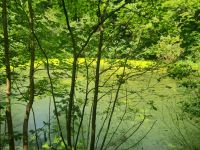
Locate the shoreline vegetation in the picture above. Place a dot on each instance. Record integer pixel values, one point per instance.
(100, 74)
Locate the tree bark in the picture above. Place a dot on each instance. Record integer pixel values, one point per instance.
(35, 127)
(8, 77)
(0, 131)
(69, 111)
(71, 103)
(96, 90)
(31, 79)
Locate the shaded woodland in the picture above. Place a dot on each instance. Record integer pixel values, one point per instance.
(100, 74)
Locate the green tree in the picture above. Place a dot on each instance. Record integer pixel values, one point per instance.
(8, 76)
(31, 78)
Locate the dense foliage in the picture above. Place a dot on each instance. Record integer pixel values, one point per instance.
(86, 46)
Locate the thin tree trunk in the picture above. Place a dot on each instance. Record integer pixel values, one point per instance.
(88, 129)
(1, 126)
(8, 77)
(35, 126)
(49, 125)
(31, 79)
(69, 111)
(121, 120)
(114, 104)
(96, 90)
(5, 131)
(84, 106)
(71, 103)
(107, 115)
(0, 131)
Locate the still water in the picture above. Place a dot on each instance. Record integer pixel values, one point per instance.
(170, 131)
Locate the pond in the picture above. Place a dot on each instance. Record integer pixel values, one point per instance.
(163, 129)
